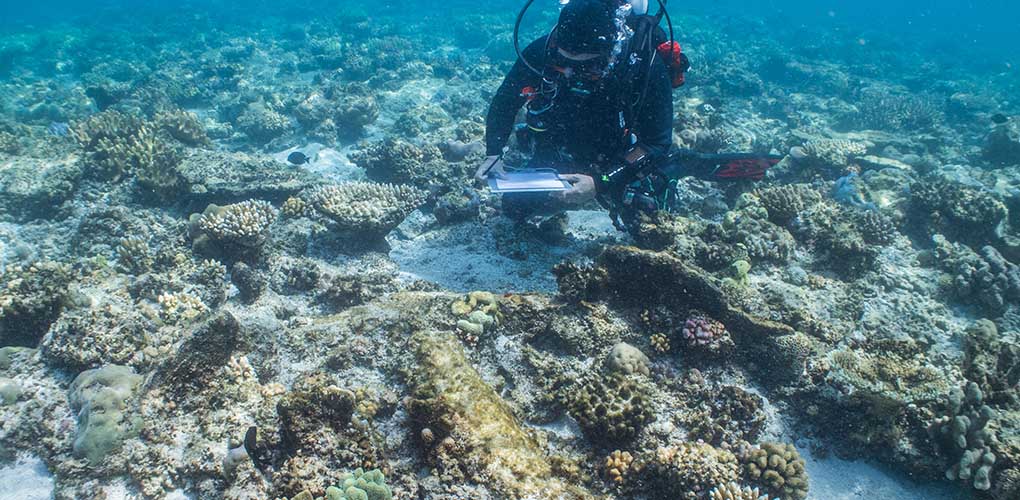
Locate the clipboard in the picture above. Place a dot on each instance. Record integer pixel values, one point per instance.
(528, 181)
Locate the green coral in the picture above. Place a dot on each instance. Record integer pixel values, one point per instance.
(361, 485)
(104, 399)
(611, 408)
(778, 468)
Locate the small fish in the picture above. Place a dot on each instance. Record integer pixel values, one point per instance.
(298, 158)
(59, 129)
(251, 447)
(999, 118)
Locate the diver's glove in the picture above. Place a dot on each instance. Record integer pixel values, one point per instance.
(581, 190)
(491, 166)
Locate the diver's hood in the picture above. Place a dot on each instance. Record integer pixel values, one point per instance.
(587, 26)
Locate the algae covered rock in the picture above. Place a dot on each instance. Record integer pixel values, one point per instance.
(472, 430)
(37, 189)
(31, 298)
(105, 400)
(113, 332)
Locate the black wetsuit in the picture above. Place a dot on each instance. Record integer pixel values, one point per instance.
(583, 132)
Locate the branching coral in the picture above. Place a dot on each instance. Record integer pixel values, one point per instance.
(882, 109)
(778, 468)
(245, 223)
(370, 210)
(116, 144)
(611, 408)
(734, 491)
(688, 471)
(134, 255)
(183, 126)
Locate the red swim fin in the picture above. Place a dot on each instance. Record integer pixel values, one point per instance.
(744, 166)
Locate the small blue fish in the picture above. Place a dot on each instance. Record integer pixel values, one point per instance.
(59, 129)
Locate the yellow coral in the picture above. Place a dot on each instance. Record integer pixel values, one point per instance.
(617, 464)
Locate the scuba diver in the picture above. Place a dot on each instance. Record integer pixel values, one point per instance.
(599, 110)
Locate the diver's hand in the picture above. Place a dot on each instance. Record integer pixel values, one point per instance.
(491, 166)
(581, 190)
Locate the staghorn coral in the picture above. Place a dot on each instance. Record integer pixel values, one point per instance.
(733, 491)
(366, 209)
(965, 436)
(183, 126)
(778, 468)
(611, 408)
(687, 471)
(958, 211)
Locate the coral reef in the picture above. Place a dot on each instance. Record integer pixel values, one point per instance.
(104, 399)
(960, 212)
(985, 279)
(966, 437)
(778, 468)
(361, 485)
(734, 491)
(183, 126)
(627, 359)
(238, 230)
(474, 432)
(368, 211)
(827, 157)
(617, 465)
(611, 409)
(31, 298)
(687, 471)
